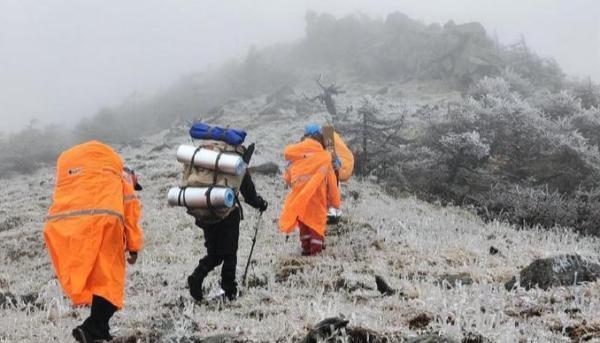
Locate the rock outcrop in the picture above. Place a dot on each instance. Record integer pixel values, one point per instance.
(563, 270)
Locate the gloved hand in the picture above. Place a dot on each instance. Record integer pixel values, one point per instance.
(133, 255)
(262, 204)
(337, 164)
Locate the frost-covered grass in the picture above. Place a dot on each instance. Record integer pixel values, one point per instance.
(409, 242)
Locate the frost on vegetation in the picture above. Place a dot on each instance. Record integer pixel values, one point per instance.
(435, 260)
(418, 248)
(468, 144)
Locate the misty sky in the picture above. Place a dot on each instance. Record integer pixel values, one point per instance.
(62, 60)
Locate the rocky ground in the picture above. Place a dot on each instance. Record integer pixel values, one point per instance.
(448, 273)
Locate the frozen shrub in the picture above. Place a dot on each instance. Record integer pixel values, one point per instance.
(587, 123)
(542, 72)
(540, 206)
(558, 105)
(588, 93)
(518, 83)
(588, 211)
(29, 149)
(496, 139)
(105, 126)
(458, 167)
(492, 87)
(529, 206)
(465, 148)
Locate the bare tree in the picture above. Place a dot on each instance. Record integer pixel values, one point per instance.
(373, 138)
(327, 96)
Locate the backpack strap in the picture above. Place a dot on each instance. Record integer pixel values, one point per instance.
(208, 201)
(216, 168)
(239, 205)
(223, 135)
(193, 158)
(181, 196)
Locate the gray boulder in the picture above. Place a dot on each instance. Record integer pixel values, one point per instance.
(327, 328)
(562, 270)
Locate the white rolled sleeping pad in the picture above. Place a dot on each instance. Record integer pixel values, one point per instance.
(206, 158)
(195, 197)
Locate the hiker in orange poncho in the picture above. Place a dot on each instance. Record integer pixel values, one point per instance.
(93, 221)
(311, 176)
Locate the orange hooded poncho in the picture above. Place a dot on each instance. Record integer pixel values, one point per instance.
(93, 220)
(314, 187)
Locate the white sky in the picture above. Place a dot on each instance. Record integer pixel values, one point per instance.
(62, 60)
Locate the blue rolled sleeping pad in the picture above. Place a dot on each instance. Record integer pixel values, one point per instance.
(230, 136)
(229, 198)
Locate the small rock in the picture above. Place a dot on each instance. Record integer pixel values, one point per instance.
(383, 287)
(290, 266)
(140, 337)
(421, 321)
(581, 332)
(364, 335)
(493, 250)
(269, 168)
(326, 328)
(475, 338)
(572, 311)
(349, 285)
(378, 244)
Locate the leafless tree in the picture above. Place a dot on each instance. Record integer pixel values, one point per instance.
(327, 96)
(373, 138)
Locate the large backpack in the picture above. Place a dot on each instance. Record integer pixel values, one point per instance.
(194, 176)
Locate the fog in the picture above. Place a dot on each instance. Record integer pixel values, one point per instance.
(64, 60)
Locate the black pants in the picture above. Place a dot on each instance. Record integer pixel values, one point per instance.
(221, 242)
(97, 323)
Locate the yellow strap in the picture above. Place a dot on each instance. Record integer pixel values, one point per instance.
(87, 212)
(129, 197)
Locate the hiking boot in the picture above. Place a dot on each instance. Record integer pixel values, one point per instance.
(195, 288)
(232, 296)
(81, 335)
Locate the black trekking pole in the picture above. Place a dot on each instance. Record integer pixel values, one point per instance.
(256, 227)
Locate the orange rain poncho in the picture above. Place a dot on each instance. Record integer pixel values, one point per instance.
(345, 156)
(314, 187)
(93, 220)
